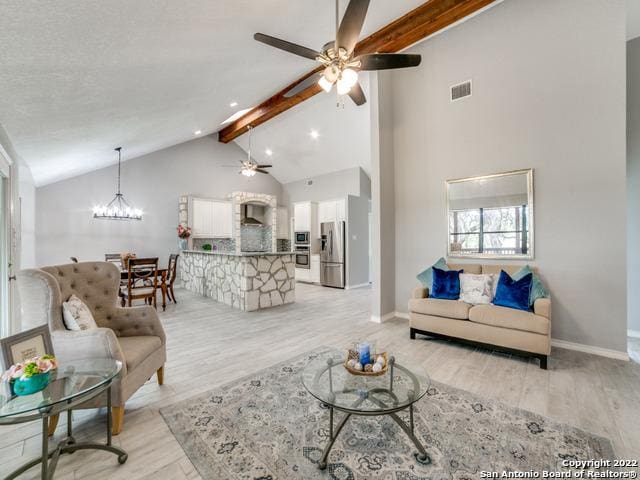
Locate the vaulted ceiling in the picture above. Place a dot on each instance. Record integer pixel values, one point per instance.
(80, 78)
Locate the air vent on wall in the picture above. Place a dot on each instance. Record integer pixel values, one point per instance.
(461, 91)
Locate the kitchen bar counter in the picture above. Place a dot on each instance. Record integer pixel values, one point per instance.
(241, 254)
(247, 281)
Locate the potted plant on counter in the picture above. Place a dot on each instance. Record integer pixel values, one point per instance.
(184, 233)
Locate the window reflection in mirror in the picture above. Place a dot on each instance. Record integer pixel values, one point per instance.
(491, 216)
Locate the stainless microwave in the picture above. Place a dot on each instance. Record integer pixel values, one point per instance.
(302, 238)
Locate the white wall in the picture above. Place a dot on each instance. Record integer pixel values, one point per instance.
(548, 93)
(65, 226)
(27, 205)
(633, 181)
(357, 241)
(351, 181)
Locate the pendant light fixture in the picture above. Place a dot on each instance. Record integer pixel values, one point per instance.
(118, 208)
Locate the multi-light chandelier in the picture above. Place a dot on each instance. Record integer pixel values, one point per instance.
(118, 208)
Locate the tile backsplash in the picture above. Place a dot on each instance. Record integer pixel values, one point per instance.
(284, 245)
(255, 238)
(219, 244)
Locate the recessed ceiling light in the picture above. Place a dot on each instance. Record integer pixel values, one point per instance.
(197, 132)
(314, 134)
(268, 152)
(233, 104)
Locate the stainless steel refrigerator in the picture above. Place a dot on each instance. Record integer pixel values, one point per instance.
(332, 254)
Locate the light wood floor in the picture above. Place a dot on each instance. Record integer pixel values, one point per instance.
(210, 344)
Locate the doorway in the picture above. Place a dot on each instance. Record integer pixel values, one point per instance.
(5, 256)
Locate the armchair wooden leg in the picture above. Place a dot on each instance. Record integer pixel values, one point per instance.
(160, 374)
(117, 419)
(53, 423)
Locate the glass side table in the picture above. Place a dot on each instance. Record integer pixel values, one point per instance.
(397, 389)
(72, 384)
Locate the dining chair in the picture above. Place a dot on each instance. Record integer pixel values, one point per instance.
(142, 281)
(172, 272)
(114, 258)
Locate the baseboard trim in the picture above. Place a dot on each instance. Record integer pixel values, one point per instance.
(633, 333)
(403, 315)
(383, 318)
(360, 285)
(578, 347)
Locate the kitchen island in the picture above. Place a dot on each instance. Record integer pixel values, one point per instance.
(247, 281)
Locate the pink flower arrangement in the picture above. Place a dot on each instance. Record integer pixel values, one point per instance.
(32, 367)
(184, 231)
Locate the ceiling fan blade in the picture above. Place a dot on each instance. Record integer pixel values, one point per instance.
(287, 46)
(351, 24)
(385, 61)
(262, 171)
(303, 85)
(264, 166)
(357, 95)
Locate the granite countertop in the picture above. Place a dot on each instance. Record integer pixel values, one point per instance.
(241, 254)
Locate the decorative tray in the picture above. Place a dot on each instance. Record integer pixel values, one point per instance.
(353, 355)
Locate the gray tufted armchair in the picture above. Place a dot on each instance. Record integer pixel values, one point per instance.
(134, 335)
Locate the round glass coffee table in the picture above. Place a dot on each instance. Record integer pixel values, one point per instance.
(72, 384)
(397, 389)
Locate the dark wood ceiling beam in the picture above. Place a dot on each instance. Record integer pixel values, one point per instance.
(416, 25)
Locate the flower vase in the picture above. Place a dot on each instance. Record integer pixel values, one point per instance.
(182, 244)
(31, 385)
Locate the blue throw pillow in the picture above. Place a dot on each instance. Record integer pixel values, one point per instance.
(537, 288)
(426, 277)
(446, 284)
(513, 293)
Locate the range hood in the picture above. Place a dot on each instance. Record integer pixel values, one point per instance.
(247, 217)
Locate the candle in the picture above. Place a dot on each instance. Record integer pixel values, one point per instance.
(364, 353)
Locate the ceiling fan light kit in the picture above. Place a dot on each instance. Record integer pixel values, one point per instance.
(341, 67)
(249, 167)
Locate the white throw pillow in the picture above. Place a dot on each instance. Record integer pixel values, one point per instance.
(476, 289)
(76, 315)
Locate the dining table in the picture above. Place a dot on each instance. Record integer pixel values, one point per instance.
(161, 275)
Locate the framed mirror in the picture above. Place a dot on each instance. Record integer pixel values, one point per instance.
(491, 216)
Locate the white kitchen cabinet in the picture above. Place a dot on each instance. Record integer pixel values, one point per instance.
(314, 272)
(283, 223)
(222, 220)
(332, 211)
(302, 217)
(202, 218)
(211, 218)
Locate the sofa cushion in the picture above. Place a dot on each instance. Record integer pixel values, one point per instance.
(426, 277)
(446, 284)
(537, 288)
(509, 318)
(467, 267)
(440, 308)
(513, 293)
(137, 349)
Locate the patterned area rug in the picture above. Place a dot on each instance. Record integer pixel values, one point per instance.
(267, 427)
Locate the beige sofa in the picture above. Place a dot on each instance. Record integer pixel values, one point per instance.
(134, 335)
(499, 328)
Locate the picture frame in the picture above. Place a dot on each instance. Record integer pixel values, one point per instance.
(26, 345)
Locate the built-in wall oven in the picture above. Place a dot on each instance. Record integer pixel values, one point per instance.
(303, 257)
(302, 238)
